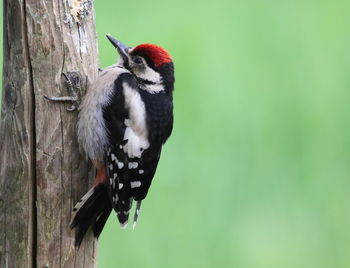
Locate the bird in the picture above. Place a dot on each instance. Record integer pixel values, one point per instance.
(124, 119)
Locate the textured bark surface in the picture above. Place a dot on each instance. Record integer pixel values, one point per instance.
(42, 173)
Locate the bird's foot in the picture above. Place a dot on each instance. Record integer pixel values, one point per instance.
(73, 86)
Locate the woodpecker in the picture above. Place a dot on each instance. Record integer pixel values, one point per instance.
(124, 120)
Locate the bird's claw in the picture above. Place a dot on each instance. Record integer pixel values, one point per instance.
(72, 108)
(73, 86)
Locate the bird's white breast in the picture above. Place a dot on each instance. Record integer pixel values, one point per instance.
(136, 130)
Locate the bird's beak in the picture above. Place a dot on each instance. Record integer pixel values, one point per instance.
(122, 49)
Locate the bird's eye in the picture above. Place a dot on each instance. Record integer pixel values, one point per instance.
(138, 60)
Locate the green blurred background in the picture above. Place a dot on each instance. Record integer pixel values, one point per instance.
(256, 173)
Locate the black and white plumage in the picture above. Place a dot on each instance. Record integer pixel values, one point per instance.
(124, 120)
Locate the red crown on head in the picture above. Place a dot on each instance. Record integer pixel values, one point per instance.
(157, 54)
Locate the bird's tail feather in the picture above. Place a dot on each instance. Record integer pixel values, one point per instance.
(92, 210)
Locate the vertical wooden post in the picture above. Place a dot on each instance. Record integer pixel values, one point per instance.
(42, 173)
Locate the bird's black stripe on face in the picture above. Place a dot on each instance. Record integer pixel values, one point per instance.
(145, 81)
(126, 63)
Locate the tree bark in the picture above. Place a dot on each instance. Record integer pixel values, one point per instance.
(42, 174)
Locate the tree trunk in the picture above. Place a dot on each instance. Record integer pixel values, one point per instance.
(42, 174)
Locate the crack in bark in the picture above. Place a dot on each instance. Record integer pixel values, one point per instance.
(62, 144)
(32, 146)
(81, 55)
(14, 102)
(5, 242)
(61, 26)
(61, 180)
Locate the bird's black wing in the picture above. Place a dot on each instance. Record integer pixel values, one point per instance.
(116, 160)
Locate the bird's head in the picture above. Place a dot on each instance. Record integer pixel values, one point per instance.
(151, 64)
